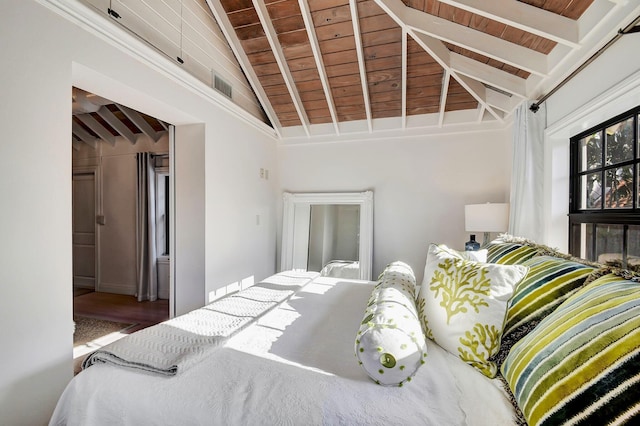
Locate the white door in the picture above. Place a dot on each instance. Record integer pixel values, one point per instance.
(84, 230)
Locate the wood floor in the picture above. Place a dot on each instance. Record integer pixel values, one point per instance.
(121, 308)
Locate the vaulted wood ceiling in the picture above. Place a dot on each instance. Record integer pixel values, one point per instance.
(326, 70)
(335, 66)
(96, 119)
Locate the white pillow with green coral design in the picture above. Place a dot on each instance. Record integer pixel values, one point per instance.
(462, 304)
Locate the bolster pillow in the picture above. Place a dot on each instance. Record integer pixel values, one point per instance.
(390, 345)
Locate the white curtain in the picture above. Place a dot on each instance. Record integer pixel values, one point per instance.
(146, 229)
(527, 175)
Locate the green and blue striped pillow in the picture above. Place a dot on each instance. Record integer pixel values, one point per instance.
(509, 253)
(581, 364)
(550, 282)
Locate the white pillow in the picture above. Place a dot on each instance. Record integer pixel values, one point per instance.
(462, 304)
(390, 345)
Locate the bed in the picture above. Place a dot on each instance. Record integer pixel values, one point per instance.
(341, 269)
(291, 363)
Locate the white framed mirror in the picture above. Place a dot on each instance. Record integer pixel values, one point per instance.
(331, 233)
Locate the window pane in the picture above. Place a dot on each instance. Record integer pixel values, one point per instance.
(609, 244)
(619, 188)
(620, 142)
(591, 191)
(633, 248)
(582, 237)
(590, 152)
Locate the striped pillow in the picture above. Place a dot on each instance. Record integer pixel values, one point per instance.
(581, 364)
(509, 253)
(550, 281)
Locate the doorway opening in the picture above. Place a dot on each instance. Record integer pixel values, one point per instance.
(122, 192)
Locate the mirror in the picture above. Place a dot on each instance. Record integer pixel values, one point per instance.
(331, 233)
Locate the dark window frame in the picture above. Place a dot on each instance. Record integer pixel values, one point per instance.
(602, 216)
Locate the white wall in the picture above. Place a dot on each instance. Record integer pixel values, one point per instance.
(607, 87)
(420, 185)
(50, 55)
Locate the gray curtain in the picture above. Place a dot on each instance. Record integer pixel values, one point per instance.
(146, 229)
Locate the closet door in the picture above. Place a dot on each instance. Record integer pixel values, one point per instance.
(84, 230)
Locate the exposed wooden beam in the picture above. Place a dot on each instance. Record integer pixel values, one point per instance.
(523, 16)
(360, 53)
(83, 135)
(118, 125)
(442, 56)
(443, 96)
(276, 48)
(465, 37)
(139, 122)
(75, 143)
(229, 33)
(97, 128)
(501, 101)
(317, 56)
(487, 74)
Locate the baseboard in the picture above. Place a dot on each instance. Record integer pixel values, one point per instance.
(117, 289)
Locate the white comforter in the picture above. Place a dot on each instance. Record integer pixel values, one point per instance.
(293, 366)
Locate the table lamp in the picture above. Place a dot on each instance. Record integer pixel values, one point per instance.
(486, 218)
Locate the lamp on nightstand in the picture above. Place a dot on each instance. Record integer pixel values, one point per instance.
(488, 217)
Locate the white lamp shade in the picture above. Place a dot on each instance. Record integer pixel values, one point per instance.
(488, 217)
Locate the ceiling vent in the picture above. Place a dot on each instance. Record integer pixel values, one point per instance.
(222, 86)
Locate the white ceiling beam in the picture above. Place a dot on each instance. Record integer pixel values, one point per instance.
(481, 110)
(465, 37)
(317, 56)
(443, 96)
(488, 74)
(272, 37)
(442, 56)
(229, 33)
(83, 135)
(523, 16)
(501, 101)
(97, 128)
(75, 143)
(360, 53)
(118, 125)
(139, 122)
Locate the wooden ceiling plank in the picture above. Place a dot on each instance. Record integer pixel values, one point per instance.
(524, 17)
(139, 121)
(489, 75)
(83, 135)
(468, 38)
(404, 78)
(360, 54)
(221, 18)
(272, 36)
(97, 128)
(317, 55)
(118, 125)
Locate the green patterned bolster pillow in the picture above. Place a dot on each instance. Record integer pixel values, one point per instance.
(390, 345)
(581, 364)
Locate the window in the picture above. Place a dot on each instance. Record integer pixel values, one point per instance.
(604, 203)
(162, 212)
